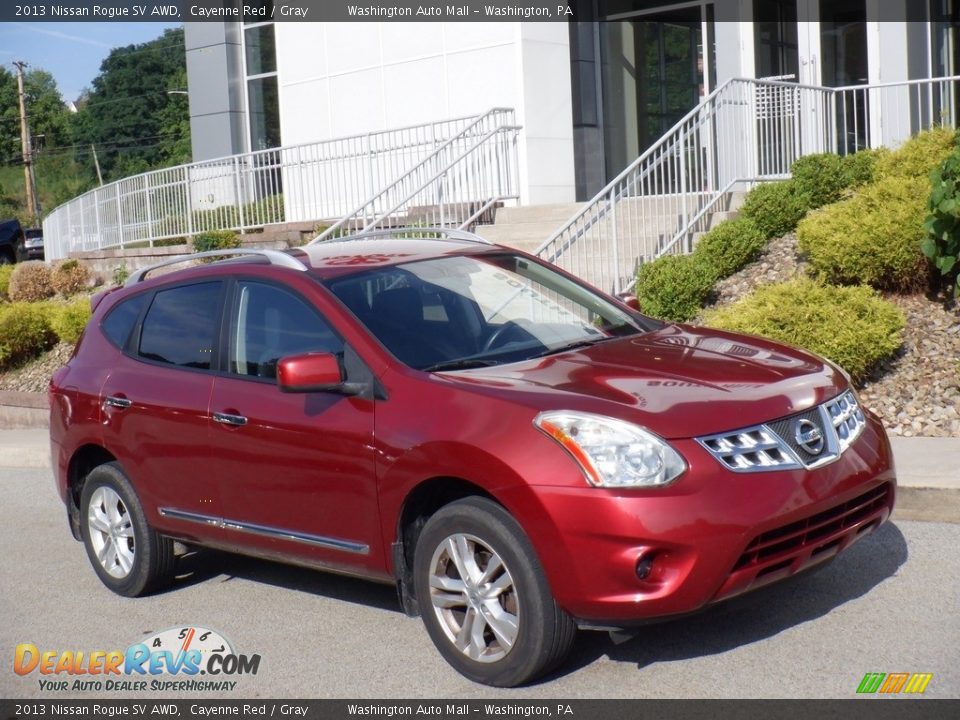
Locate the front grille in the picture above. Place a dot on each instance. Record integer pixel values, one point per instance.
(799, 535)
(807, 439)
(785, 551)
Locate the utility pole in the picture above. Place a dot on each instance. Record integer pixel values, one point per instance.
(96, 163)
(31, 187)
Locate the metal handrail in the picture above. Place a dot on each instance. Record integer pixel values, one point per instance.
(385, 192)
(276, 257)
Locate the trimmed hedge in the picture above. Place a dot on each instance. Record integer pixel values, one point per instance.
(942, 226)
(25, 332)
(730, 246)
(852, 326)
(860, 168)
(29, 282)
(819, 178)
(775, 208)
(69, 277)
(216, 240)
(918, 156)
(5, 272)
(675, 287)
(873, 237)
(68, 321)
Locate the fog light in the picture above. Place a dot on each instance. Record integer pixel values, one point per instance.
(645, 566)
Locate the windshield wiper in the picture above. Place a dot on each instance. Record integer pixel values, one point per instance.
(462, 364)
(572, 346)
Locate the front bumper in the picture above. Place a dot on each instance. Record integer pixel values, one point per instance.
(712, 535)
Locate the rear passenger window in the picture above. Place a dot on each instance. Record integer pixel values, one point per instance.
(120, 321)
(181, 326)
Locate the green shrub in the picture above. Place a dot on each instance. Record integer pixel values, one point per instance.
(871, 238)
(69, 277)
(216, 240)
(859, 168)
(120, 274)
(775, 208)
(68, 321)
(919, 155)
(820, 178)
(942, 243)
(5, 272)
(730, 246)
(30, 282)
(24, 333)
(851, 326)
(674, 287)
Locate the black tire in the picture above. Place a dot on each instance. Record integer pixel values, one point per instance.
(149, 556)
(544, 632)
(6, 258)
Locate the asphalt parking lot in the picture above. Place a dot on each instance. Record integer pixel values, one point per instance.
(888, 605)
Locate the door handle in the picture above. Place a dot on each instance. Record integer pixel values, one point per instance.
(121, 403)
(227, 419)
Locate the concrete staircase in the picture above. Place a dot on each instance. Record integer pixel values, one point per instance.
(527, 227)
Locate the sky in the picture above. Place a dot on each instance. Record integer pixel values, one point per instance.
(72, 52)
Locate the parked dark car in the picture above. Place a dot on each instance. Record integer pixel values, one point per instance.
(12, 242)
(519, 453)
(33, 243)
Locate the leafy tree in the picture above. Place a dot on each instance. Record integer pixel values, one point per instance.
(49, 117)
(129, 115)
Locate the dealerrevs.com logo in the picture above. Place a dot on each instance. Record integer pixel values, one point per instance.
(177, 659)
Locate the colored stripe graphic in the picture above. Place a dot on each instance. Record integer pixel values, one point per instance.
(918, 682)
(871, 682)
(894, 682)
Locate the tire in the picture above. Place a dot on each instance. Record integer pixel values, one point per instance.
(5, 258)
(524, 632)
(135, 558)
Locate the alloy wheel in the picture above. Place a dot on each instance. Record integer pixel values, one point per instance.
(111, 532)
(474, 598)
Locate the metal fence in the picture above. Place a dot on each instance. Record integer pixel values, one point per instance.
(744, 132)
(311, 182)
(458, 184)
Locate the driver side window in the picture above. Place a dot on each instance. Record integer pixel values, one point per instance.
(270, 323)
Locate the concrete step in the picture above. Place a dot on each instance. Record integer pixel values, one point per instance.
(556, 213)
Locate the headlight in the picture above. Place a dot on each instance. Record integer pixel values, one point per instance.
(612, 453)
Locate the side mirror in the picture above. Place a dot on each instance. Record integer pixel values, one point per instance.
(629, 299)
(309, 372)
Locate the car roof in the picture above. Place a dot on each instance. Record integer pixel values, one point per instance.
(335, 258)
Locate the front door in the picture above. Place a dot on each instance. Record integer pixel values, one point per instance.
(296, 470)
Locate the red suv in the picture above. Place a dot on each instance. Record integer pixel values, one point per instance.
(518, 452)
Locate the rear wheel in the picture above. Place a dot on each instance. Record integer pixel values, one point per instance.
(128, 556)
(484, 598)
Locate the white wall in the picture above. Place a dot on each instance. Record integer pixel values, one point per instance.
(340, 79)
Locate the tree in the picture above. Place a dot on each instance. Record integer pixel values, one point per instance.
(49, 117)
(129, 115)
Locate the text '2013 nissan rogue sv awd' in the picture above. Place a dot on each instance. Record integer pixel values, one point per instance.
(518, 452)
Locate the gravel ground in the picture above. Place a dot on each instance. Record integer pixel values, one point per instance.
(916, 392)
(34, 376)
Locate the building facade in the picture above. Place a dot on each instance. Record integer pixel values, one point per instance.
(590, 96)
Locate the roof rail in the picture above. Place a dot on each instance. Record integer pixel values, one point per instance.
(276, 257)
(452, 233)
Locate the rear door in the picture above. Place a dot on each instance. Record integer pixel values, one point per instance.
(296, 469)
(156, 408)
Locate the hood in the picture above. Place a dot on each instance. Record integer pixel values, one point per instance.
(679, 381)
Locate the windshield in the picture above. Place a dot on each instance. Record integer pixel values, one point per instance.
(457, 312)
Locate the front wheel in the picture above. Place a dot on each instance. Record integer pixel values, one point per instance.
(484, 598)
(128, 556)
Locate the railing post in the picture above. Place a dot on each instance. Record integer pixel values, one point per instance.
(149, 202)
(238, 199)
(685, 210)
(188, 191)
(119, 201)
(616, 243)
